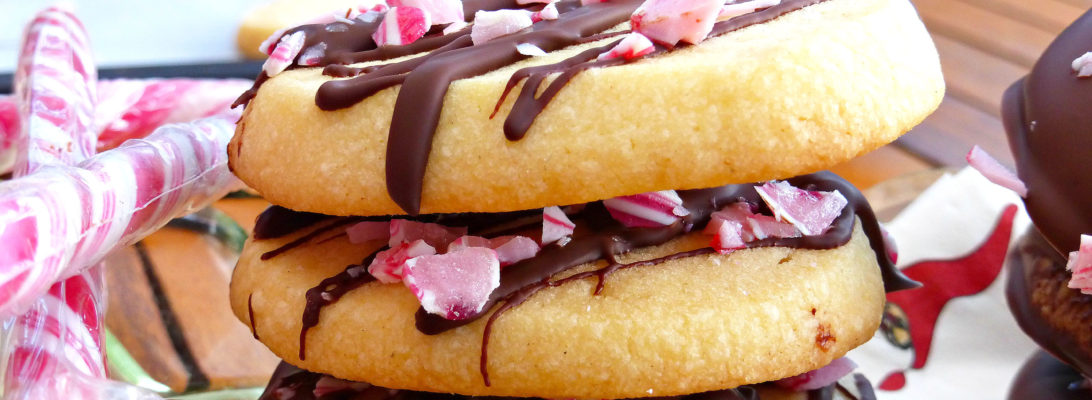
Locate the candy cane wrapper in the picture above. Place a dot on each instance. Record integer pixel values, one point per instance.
(9, 128)
(62, 219)
(132, 108)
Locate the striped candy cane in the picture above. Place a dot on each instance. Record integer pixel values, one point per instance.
(61, 333)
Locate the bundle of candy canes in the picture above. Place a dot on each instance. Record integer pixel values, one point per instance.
(66, 207)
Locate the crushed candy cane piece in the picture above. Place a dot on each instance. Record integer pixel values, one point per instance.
(455, 27)
(811, 212)
(513, 249)
(632, 46)
(313, 55)
(1083, 65)
(526, 2)
(1080, 265)
(672, 21)
(270, 42)
(728, 238)
(755, 226)
(455, 285)
(439, 11)
(402, 26)
(329, 385)
(286, 51)
(647, 210)
(548, 13)
(436, 235)
(369, 230)
(992, 169)
(489, 25)
(819, 378)
(529, 49)
(556, 226)
(746, 7)
(388, 265)
(586, 2)
(510, 249)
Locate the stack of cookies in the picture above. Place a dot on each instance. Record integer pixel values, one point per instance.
(574, 199)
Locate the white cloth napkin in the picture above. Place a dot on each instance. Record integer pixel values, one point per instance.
(977, 347)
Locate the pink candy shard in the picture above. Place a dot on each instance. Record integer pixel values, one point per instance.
(728, 237)
(402, 26)
(510, 249)
(819, 378)
(755, 226)
(313, 55)
(672, 21)
(369, 230)
(745, 7)
(387, 267)
(556, 225)
(439, 11)
(811, 212)
(489, 25)
(548, 13)
(528, 49)
(1080, 265)
(632, 46)
(648, 210)
(455, 285)
(992, 169)
(436, 235)
(288, 47)
(513, 249)
(586, 2)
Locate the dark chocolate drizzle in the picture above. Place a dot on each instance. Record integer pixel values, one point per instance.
(425, 80)
(250, 314)
(1048, 122)
(277, 221)
(1030, 253)
(291, 383)
(1044, 377)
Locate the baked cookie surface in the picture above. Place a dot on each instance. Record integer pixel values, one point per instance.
(805, 91)
(689, 325)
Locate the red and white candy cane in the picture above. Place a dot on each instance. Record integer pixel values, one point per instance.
(133, 108)
(55, 86)
(60, 335)
(62, 218)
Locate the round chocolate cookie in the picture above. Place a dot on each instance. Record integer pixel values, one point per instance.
(1053, 315)
(789, 90)
(698, 322)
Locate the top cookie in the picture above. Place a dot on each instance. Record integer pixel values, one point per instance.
(798, 93)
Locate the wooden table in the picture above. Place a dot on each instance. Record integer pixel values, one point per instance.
(984, 46)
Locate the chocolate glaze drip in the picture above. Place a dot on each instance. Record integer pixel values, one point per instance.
(1044, 377)
(277, 221)
(1047, 120)
(250, 313)
(1031, 251)
(292, 383)
(329, 291)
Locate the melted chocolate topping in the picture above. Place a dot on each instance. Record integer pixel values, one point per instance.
(291, 383)
(1048, 122)
(425, 80)
(1030, 253)
(277, 221)
(1044, 377)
